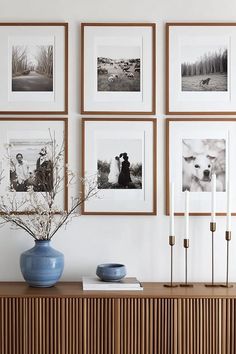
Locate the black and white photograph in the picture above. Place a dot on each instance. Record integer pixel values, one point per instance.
(120, 155)
(204, 68)
(119, 164)
(201, 159)
(118, 68)
(31, 165)
(197, 150)
(200, 68)
(34, 72)
(32, 68)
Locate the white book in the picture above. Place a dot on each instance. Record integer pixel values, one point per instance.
(92, 283)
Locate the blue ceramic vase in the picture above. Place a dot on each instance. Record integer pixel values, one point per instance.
(42, 265)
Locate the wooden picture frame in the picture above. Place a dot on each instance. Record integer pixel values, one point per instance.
(101, 139)
(207, 138)
(196, 84)
(28, 137)
(28, 85)
(129, 92)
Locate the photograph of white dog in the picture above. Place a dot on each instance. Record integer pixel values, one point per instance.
(201, 159)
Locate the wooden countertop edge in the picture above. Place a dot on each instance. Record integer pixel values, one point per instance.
(151, 290)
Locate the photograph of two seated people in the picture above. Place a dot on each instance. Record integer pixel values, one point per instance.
(32, 173)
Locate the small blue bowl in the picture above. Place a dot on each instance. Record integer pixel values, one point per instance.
(111, 271)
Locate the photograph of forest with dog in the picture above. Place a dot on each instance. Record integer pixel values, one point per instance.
(204, 68)
(119, 164)
(118, 68)
(201, 159)
(32, 68)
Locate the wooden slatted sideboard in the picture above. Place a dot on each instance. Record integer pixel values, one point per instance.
(67, 320)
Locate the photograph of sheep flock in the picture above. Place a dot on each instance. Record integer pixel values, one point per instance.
(32, 68)
(119, 164)
(204, 68)
(118, 68)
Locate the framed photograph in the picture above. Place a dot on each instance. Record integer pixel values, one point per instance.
(34, 68)
(197, 148)
(33, 160)
(118, 68)
(120, 154)
(201, 68)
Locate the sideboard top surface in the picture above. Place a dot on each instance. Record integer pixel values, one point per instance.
(151, 290)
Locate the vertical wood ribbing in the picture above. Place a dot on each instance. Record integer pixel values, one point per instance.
(177, 326)
(198, 318)
(155, 326)
(50, 324)
(117, 326)
(41, 325)
(191, 328)
(150, 339)
(110, 327)
(132, 327)
(143, 326)
(102, 326)
(113, 326)
(96, 325)
(174, 345)
(223, 327)
(135, 327)
(169, 327)
(179, 329)
(228, 310)
(233, 326)
(124, 327)
(200, 327)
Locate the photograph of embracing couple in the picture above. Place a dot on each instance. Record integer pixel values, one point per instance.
(122, 170)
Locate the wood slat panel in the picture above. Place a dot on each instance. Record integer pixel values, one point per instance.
(178, 326)
(117, 326)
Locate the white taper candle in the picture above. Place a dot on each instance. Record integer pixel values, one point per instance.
(213, 198)
(186, 214)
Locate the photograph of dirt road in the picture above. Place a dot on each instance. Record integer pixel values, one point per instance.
(32, 68)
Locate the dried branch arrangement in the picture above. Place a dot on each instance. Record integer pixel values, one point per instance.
(36, 210)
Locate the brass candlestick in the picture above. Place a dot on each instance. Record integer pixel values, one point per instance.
(171, 243)
(212, 229)
(227, 238)
(186, 246)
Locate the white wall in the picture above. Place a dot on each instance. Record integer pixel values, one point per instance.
(139, 242)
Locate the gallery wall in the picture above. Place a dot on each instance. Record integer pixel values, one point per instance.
(140, 242)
